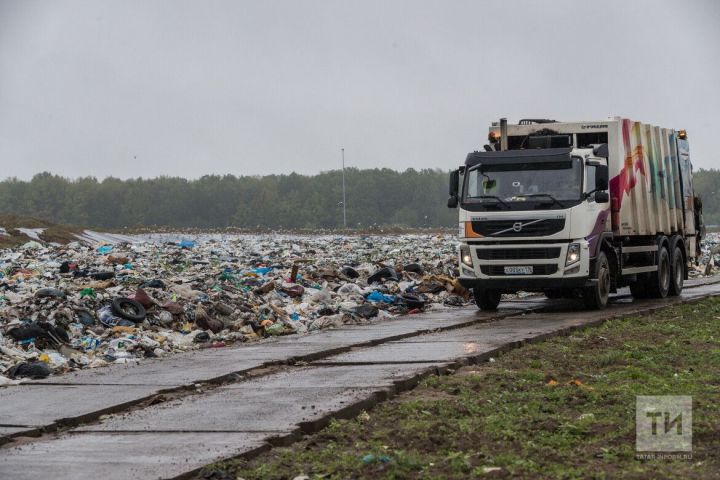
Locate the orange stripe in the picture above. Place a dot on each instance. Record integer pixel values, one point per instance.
(469, 232)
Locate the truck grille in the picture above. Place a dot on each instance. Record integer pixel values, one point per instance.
(499, 270)
(518, 253)
(492, 228)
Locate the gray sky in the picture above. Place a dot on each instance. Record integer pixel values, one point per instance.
(144, 88)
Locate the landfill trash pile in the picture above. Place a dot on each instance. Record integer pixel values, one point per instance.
(85, 305)
(709, 256)
(16, 230)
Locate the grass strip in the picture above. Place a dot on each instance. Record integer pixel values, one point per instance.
(561, 408)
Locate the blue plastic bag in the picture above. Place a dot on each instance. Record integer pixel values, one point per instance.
(379, 297)
(185, 243)
(104, 249)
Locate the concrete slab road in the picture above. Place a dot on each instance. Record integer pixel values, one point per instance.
(99, 391)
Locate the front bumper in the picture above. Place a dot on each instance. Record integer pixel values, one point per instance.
(547, 259)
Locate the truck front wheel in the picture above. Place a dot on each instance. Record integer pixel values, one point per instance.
(596, 297)
(486, 300)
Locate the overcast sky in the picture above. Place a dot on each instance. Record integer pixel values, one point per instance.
(144, 88)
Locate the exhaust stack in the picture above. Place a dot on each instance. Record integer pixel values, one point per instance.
(503, 134)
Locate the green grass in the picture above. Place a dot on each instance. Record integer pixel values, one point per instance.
(562, 408)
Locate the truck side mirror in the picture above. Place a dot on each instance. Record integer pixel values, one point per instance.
(601, 177)
(454, 180)
(602, 197)
(453, 190)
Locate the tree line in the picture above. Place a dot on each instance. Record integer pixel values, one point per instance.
(383, 197)
(707, 186)
(414, 198)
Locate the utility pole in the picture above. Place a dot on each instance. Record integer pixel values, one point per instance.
(342, 150)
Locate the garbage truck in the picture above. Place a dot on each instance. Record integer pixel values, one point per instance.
(576, 210)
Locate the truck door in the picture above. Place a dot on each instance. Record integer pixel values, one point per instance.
(598, 212)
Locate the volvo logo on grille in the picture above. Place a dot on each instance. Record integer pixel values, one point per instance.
(518, 226)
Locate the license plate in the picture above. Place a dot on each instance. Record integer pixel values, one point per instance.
(512, 270)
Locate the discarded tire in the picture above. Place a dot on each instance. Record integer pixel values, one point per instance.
(365, 311)
(153, 284)
(413, 268)
(383, 274)
(202, 337)
(413, 301)
(350, 272)
(102, 275)
(128, 309)
(41, 332)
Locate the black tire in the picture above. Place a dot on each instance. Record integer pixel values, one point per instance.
(486, 300)
(128, 309)
(659, 284)
(596, 297)
(677, 272)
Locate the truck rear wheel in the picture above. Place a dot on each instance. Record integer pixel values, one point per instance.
(659, 284)
(677, 272)
(486, 300)
(596, 297)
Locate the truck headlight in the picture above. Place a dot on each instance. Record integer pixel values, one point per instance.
(573, 254)
(465, 257)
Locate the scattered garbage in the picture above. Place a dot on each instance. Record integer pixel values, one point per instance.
(413, 301)
(128, 309)
(709, 256)
(379, 297)
(37, 369)
(86, 305)
(385, 273)
(370, 459)
(185, 243)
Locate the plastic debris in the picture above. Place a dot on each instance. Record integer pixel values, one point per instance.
(86, 305)
(37, 369)
(379, 297)
(187, 244)
(370, 459)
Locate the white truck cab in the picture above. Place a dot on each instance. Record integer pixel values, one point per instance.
(538, 212)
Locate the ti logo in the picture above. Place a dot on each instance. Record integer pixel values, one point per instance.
(663, 423)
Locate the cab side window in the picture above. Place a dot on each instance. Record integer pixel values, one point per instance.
(589, 178)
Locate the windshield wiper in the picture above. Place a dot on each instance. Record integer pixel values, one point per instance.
(534, 195)
(495, 198)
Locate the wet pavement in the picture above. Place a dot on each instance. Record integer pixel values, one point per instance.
(262, 392)
(190, 368)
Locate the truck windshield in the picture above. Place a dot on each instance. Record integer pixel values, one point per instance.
(519, 186)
